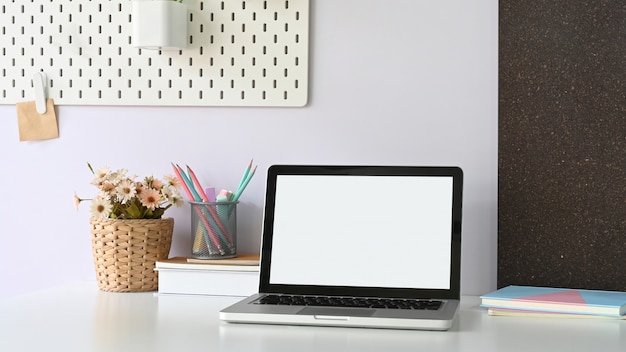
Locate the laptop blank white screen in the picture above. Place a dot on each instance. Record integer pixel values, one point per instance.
(363, 231)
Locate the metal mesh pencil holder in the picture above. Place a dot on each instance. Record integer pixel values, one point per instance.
(213, 230)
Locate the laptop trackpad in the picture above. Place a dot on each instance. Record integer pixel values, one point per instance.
(348, 312)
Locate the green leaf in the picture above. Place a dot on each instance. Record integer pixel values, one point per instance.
(133, 212)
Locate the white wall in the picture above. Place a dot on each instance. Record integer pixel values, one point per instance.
(408, 82)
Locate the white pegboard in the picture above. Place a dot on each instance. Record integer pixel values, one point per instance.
(239, 53)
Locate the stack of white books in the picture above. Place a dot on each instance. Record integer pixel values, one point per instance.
(237, 276)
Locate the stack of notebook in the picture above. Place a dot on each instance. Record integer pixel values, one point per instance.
(555, 302)
(221, 277)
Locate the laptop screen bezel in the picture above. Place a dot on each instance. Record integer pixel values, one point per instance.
(359, 170)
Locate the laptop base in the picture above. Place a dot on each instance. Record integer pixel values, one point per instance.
(247, 313)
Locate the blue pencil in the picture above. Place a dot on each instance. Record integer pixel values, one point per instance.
(243, 185)
(243, 179)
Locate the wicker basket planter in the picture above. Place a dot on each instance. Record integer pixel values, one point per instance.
(125, 252)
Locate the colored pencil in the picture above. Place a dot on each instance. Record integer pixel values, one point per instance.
(243, 178)
(199, 188)
(243, 185)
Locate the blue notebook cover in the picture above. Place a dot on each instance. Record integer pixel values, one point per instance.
(562, 300)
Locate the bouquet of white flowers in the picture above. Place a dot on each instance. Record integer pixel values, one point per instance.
(121, 197)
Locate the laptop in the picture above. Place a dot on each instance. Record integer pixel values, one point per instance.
(358, 246)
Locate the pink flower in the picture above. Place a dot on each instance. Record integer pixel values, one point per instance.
(157, 184)
(150, 198)
(173, 181)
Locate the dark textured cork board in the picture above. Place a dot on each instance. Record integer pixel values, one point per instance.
(562, 144)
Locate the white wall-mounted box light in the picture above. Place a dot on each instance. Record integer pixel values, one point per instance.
(159, 24)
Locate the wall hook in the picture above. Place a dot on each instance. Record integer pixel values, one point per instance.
(39, 83)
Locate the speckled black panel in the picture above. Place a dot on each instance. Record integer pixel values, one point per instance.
(562, 144)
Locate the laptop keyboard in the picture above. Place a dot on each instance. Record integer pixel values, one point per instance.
(358, 302)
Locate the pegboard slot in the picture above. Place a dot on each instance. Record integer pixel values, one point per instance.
(240, 53)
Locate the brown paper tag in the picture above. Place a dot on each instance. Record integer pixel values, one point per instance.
(34, 126)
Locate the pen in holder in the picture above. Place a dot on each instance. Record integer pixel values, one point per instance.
(213, 230)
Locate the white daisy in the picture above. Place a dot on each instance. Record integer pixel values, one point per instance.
(100, 176)
(171, 195)
(125, 191)
(101, 208)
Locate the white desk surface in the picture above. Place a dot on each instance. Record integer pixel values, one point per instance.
(79, 317)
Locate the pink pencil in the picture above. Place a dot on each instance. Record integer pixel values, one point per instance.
(197, 183)
(182, 182)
